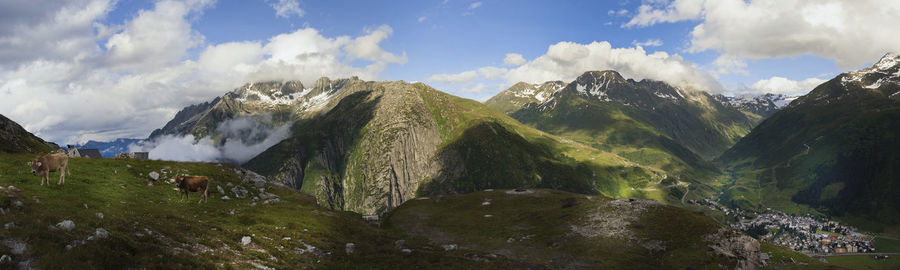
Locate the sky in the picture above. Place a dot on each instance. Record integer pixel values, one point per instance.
(78, 70)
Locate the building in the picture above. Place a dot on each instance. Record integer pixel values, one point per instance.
(85, 153)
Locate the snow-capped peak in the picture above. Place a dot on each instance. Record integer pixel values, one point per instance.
(886, 70)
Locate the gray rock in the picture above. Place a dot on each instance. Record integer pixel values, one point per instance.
(153, 175)
(16, 247)
(406, 250)
(66, 225)
(101, 233)
(449, 247)
(225, 198)
(349, 248)
(220, 189)
(246, 240)
(100, 215)
(5, 258)
(399, 243)
(9, 225)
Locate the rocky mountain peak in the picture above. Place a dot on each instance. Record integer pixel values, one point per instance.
(605, 74)
(885, 71)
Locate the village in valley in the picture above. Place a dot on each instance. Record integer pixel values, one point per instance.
(814, 236)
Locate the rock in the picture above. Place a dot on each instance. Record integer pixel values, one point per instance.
(220, 189)
(19, 204)
(350, 248)
(5, 258)
(486, 203)
(252, 204)
(449, 247)
(399, 243)
(128, 165)
(9, 225)
(225, 198)
(101, 233)
(229, 184)
(13, 189)
(246, 240)
(100, 215)
(66, 225)
(272, 201)
(153, 175)
(286, 239)
(16, 247)
(488, 216)
(406, 250)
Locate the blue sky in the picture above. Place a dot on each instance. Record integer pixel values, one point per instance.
(76, 70)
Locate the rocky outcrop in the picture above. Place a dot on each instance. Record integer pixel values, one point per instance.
(739, 247)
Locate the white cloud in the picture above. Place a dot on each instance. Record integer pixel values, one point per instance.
(367, 47)
(780, 85)
(87, 93)
(155, 38)
(422, 18)
(247, 137)
(758, 29)
(677, 10)
(491, 73)
(287, 8)
(567, 60)
(462, 77)
(648, 43)
(514, 59)
(475, 5)
(48, 30)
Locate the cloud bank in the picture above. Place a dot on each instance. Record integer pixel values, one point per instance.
(68, 77)
(241, 139)
(758, 29)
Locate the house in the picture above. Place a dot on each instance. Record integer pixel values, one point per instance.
(86, 153)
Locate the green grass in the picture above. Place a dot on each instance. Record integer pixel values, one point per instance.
(535, 228)
(779, 258)
(865, 262)
(887, 245)
(131, 209)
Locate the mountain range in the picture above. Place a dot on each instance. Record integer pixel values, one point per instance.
(370, 146)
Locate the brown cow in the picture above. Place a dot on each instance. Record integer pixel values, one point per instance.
(43, 165)
(187, 184)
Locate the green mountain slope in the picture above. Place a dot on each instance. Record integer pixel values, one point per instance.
(646, 122)
(121, 221)
(15, 139)
(383, 143)
(561, 230)
(834, 150)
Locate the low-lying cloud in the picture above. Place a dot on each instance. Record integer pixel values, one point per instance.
(241, 139)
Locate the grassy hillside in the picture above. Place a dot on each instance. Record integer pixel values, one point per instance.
(500, 152)
(558, 229)
(149, 227)
(15, 139)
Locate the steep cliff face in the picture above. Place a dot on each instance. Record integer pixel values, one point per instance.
(368, 154)
(15, 139)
